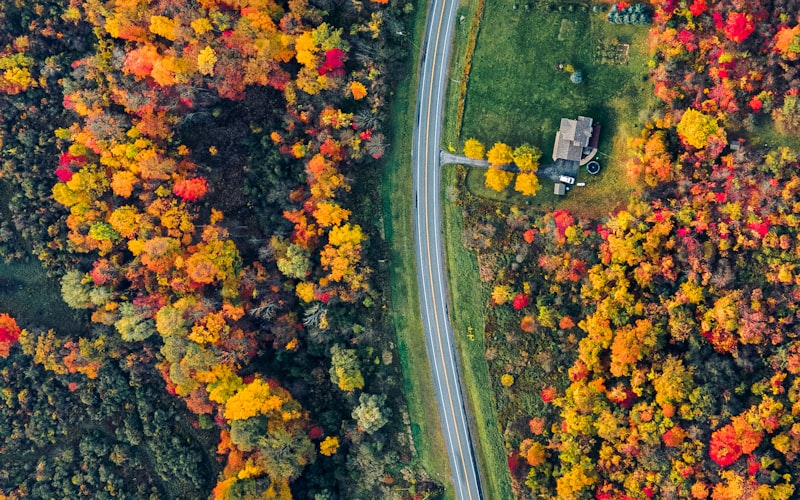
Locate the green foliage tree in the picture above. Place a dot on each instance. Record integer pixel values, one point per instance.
(296, 263)
(345, 369)
(248, 434)
(73, 290)
(132, 325)
(370, 414)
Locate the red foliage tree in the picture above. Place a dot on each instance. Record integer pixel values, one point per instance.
(9, 333)
(739, 26)
(191, 189)
(755, 104)
(725, 448)
(529, 235)
(698, 7)
(563, 220)
(64, 174)
(334, 63)
(548, 394)
(520, 301)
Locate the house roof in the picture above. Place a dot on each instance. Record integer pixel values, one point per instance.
(572, 137)
(583, 130)
(568, 127)
(566, 149)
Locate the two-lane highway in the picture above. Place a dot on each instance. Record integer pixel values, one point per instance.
(428, 247)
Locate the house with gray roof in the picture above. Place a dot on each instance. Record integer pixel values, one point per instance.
(573, 139)
(575, 145)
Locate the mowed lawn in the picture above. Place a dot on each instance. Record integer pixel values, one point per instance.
(517, 93)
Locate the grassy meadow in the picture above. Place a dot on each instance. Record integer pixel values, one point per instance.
(34, 299)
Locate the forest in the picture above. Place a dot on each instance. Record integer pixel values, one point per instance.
(199, 179)
(196, 178)
(654, 352)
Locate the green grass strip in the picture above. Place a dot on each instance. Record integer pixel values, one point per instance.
(397, 194)
(468, 314)
(474, 28)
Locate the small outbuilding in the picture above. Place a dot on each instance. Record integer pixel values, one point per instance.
(560, 189)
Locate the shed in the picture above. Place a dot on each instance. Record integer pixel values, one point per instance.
(560, 189)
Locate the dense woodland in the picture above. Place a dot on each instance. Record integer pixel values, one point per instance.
(656, 353)
(187, 171)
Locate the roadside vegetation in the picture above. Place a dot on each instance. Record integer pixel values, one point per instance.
(397, 195)
(652, 352)
(517, 93)
(468, 313)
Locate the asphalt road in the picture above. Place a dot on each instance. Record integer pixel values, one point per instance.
(428, 247)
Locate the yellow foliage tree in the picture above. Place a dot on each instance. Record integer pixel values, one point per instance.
(226, 385)
(533, 452)
(254, 399)
(497, 179)
(15, 80)
(576, 480)
(527, 184)
(341, 254)
(329, 214)
(345, 371)
(696, 127)
(67, 196)
(165, 27)
(123, 182)
(358, 90)
(305, 291)
(501, 294)
(329, 446)
(629, 344)
(15, 77)
(201, 25)
(526, 157)
(125, 220)
(209, 329)
(674, 384)
(206, 60)
(500, 154)
(474, 148)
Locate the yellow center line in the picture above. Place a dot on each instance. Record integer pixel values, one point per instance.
(430, 265)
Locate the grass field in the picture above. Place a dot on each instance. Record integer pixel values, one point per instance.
(398, 204)
(517, 93)
(464, 16)
(765, 133)
(468, 318)
(34, 299)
